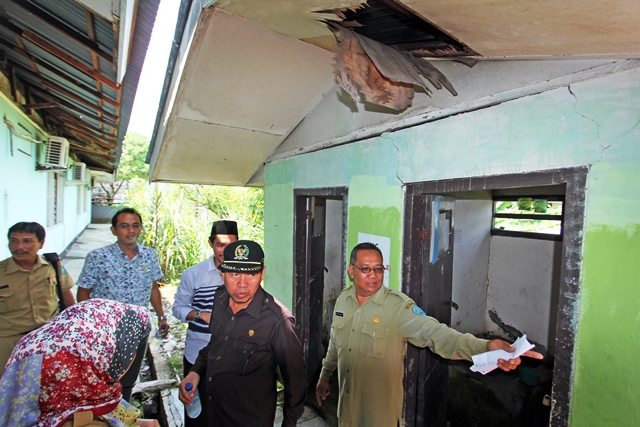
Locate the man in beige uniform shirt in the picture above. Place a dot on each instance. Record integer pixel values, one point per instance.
(28, 296)
(371, 327)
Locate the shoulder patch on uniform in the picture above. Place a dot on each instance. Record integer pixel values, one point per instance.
(64, 270)
(418, 311)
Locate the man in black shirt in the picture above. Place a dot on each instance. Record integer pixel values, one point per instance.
(252, 335)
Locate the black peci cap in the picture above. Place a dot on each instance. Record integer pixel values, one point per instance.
(224, 227)
(242, 256)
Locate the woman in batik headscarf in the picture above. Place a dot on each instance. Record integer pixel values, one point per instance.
(72, 364)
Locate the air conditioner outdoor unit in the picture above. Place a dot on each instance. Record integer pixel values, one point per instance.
(87, 177)
(53, 154)
(79, 170)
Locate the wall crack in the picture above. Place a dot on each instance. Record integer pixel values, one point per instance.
(575, 110)
(398, 165)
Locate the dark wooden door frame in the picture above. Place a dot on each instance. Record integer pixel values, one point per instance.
(415, 237)
(301, 247)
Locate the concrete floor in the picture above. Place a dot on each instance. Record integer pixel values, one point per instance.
(93, 237)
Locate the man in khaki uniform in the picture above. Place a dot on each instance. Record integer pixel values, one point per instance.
(369, 334)
(28, 295)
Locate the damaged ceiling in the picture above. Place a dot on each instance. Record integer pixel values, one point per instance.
(247, 73)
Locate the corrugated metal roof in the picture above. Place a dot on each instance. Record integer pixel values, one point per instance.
(63, 54)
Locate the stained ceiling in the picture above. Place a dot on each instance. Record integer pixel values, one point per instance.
(247, 73)
(73, 67)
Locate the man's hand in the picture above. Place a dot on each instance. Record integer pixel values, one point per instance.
(206, 316)
(508, 365)
(194, 379)
(83, 294)
(163, 328)
(322, 391)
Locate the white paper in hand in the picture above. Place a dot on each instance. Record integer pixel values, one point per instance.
(488, 361)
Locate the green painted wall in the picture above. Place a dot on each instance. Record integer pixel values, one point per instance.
(595, 123)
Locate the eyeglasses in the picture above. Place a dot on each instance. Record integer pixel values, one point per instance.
(125, 226)
(367, 270)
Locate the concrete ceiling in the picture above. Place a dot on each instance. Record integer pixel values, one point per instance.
(252, 71)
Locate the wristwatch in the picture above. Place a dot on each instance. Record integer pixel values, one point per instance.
(198, 314)
(162, 318)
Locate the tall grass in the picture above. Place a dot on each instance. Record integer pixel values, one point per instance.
(177, 219)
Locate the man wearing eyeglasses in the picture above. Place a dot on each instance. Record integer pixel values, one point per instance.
(125, 272)
(371, 327)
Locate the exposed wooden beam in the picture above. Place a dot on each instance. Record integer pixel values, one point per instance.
(70, 118)
(47, 82)
(40, 64)
(94, 58)
(40, 105)
(72, 107)
(89, 150)
(33, 38)
(110, 142)
(79, 100)
(57, 24)
(95, 141)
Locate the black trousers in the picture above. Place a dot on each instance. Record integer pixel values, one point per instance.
(200, 420)
(131, 377)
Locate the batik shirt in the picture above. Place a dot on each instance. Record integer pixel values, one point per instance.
(368, 345)
(198, 285)
(110, 274)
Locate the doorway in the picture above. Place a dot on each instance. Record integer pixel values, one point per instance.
(319, 257)
(432, 286)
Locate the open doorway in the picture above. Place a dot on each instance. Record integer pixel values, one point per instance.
(492, 284)
(319, 254)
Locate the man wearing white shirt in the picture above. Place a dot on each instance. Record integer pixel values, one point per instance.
(194, 300)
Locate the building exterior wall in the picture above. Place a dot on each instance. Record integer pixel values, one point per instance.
(595, 122)
(24, 192)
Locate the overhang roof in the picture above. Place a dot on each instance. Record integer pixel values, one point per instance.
(76, 66)
(247, 73)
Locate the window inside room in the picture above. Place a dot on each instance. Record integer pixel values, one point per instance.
(529, 216)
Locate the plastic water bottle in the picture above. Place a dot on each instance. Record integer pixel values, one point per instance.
(158, 335)
(195, 407)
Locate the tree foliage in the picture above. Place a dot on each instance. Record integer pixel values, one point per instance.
(132, 164)
(132, 161)
(177, 219)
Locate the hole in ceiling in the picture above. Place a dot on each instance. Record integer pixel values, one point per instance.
(393, 24)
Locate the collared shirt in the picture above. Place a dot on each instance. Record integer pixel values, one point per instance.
(28, 299)
(241, 360)
(110, 274)
(198, 285)
(368, 345)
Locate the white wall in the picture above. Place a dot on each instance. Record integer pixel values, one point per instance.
(24, 191)
(518, 278)
(523, 286)
(472, 221)
(333, 249)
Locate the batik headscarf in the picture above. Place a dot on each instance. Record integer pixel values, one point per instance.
(71, 364)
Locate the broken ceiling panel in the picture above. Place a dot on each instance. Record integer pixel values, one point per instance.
(383, 75)
(358, 75)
